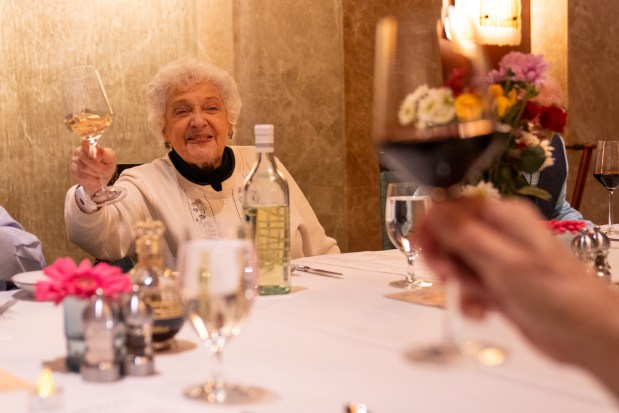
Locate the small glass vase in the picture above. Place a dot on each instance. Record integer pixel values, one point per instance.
(74, 331)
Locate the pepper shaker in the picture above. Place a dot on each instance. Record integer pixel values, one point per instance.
(601, 244)
(103, 334)
(138, 359)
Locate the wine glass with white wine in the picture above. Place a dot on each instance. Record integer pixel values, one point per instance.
(433, 124)
(218, 286)
(87, 114)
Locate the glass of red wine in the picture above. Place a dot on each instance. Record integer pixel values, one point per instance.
(606, 171)
(433, 122)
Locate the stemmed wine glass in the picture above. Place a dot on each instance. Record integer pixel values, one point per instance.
(606, 171)
(87, 113)
(403, 210)
(433, 123)
(218, 287)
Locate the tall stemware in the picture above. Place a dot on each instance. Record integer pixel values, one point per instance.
(87, 114)
(218, 287)
(433, 122)
(606, 171)
(403, 210)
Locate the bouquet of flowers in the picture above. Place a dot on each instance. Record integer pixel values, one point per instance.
(529, 123)
(68, 279)
(532, 122)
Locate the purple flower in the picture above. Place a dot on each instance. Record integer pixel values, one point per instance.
(520, 67)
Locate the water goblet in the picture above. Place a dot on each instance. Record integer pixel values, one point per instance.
(87, 114)
(218, 287)
(606, 171)
(433, 123)
(403, 210)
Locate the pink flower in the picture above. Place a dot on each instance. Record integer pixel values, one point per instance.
(67, 279)
(561, 227)
(520, 67)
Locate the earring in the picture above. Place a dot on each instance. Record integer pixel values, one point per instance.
(230, 135)
(167, 145)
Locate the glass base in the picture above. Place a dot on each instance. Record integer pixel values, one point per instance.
(411, 285)
(483, 352)
(108, 195)
(443, 354)
(478, 351)
(230, 394)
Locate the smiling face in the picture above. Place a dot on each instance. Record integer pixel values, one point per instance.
(196, 125)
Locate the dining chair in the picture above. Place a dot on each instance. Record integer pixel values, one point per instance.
(586, 150)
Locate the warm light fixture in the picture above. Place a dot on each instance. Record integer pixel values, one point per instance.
(498, 21)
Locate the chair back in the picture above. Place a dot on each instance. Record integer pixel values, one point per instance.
(582, 172)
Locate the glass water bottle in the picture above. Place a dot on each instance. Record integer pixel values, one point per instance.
(266, 208)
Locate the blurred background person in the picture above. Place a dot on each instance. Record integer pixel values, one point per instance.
(20, 250)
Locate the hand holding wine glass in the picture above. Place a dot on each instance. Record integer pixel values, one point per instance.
(433, 120)
(606, 171)
(218, 287)
(87, 114)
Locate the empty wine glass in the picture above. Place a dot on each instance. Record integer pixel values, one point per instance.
(218, 287)
(606, 171)
(433, 121)
(403, 210)
(87, 113)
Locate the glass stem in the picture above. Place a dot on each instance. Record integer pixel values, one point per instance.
(217, 375)
(93, 153)
(452, 297)
(410, 271)
(611, 230)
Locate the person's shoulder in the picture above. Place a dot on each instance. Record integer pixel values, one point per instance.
(155, 168)
(244, 155)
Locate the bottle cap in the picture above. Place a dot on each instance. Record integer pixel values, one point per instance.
(264, 137)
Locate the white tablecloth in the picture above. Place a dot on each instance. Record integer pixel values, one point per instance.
(333, 342)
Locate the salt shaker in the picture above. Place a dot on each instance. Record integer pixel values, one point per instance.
(601, 245)
(582, 246)
(103, 335)
(138, 358)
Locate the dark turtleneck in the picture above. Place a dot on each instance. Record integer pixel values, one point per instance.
(212, 177)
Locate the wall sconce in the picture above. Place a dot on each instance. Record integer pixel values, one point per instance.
(498, 22)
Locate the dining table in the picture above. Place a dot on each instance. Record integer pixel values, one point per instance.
(331, 343)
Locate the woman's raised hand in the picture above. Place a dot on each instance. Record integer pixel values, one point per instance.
(91, 170)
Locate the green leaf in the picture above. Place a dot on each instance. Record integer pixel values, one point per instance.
(531, 159)
(534, 191)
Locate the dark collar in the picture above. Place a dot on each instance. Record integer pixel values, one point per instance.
(213, 177)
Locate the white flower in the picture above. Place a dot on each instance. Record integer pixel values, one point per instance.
(528, 139)
(549, 161)
(436, 107)
(483, 189)
(408, 109)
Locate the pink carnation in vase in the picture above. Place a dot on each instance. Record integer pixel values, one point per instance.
(520, 67)
(68, 279)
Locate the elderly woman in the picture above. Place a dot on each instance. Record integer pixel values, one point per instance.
(194, 107)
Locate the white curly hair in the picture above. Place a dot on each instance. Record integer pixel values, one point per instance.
(181, 75)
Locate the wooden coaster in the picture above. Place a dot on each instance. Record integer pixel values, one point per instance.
(433, 296)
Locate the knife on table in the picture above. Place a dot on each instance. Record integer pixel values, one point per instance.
(317, 271)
